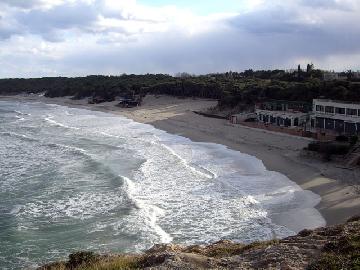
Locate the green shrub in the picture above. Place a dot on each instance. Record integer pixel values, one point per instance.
(353, 139)
(334, 148)
(342, 138)
(314, 146)
(81, 258)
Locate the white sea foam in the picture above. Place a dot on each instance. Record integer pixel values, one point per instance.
(15, 209)
(55, 123)
(69, 147)
(21, 136)
(192, 168)
(149, 212)
(80, 206)
(21, 113)
(20, 118)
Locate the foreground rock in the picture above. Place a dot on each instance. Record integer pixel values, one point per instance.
(336, 247)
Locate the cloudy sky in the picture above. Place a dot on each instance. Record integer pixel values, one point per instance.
(81, 37)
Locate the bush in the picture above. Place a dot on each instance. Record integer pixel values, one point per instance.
(342, 138)
(353, 140)
(81, 258)
(329, 148)
(314, 146)
(334, 148)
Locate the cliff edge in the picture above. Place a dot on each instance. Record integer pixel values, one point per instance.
(335, 247)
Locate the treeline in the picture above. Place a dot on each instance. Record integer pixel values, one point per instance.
(230, 88)
(109, 87)
(251, 91)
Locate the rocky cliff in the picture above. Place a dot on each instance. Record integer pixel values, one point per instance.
(335, 247)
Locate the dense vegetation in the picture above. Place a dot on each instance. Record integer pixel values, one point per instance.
(229, 88)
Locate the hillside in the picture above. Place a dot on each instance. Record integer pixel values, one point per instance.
(335, 247)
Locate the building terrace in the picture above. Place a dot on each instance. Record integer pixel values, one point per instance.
(335, 117)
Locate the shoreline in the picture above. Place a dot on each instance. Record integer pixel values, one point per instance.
(278, 152)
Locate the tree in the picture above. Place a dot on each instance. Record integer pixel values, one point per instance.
(309, 68)
(249, 73)
(349, 74)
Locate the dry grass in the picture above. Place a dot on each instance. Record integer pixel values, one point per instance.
(341, 254)
(115, 263)
(228, 249)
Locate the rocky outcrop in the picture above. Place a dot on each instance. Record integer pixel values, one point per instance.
(335, 247)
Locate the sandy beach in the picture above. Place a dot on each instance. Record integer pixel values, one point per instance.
(338, 187)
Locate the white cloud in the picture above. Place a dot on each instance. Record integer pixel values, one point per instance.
(78, 37)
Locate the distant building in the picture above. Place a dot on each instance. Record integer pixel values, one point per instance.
(283, 113)
(335, 117)
(356, 75)
(330, 76)
(291, 70)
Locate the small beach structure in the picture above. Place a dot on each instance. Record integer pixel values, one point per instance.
(289, 114)
(242, 117)
(96, 100)
(130, 102)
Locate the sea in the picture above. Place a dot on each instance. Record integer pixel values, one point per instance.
(74, 179)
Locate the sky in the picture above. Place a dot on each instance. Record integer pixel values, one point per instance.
(81, 37)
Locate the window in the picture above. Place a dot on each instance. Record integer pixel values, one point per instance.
(329, 124)
(329, 109)
(351, 111)
(320, 122)
(296, 122)
(319, 108)
(340, 110)
(358, 112)
(339, 126)
(350, 128)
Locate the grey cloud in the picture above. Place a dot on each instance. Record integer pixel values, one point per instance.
(27, 4)
(52, 23)
(285, 26)
(276, 20)
(328, 4)
(60, 17)
(268, 38)
(212, 52)
(7, 28)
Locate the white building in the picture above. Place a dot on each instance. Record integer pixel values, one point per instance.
(330, 76)
(282, 118)
(283, 113)
(337, 117)
(356, 75)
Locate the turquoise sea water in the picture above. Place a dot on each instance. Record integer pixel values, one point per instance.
(73, 179)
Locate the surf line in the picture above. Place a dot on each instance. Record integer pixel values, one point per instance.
(151, 212)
